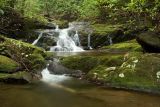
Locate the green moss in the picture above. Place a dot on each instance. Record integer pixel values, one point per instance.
(37, 62)
(31, 58)
(7, 64)
(104, 29)
(126, 46)
(49, 55)
(139, 71)
(61, 23)
(80, 62)
(86, 63)
(20, 77)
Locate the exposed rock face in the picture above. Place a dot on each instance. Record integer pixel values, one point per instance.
(149, 41)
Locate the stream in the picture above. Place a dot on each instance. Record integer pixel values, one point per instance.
(65, 91)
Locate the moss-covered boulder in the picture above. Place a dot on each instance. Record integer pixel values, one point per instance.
(131, 70)
(8, 65)
(20, 77)
(18, 56)
(86, 63)
(137, 72)
(150, 41)
(131, 45)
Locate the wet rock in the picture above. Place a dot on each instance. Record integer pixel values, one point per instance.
(150, 41)
(57, 68)
(16, 78)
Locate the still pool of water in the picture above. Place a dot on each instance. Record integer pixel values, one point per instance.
(72, 93)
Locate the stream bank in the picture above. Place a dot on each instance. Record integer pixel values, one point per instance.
(20, 62)
(129, 68)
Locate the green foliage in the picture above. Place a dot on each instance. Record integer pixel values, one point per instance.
(29, 8)
(145, 12)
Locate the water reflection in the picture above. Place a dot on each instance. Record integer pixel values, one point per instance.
(72, 93)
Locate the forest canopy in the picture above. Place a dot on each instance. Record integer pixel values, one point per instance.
(141, 11)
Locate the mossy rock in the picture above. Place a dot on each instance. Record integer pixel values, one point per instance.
(150, 41)
(8, 65)
(104, 29)
(29, 57)
(138, 71)
(131, 45)
(88, 62)
(16, 78)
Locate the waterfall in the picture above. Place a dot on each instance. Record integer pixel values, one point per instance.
(57, 28)
(64, 38)
(110, 40)
(39, 37)
(76, 39)
(65, 43)
(89, 41)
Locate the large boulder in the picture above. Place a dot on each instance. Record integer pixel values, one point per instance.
(58, 69)
(18, 57)
(150, 41)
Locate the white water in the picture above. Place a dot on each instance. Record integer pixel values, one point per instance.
(65, 43)
(76, 39)
(89, 41)
(110, 40)
(51, 78)
(39, 37)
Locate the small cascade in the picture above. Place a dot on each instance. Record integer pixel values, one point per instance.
(64, 38)
(76, 39)
(110, 40)
(47, 77)
(39, 37)
(57, 28)
(89, 41)
(65, 43)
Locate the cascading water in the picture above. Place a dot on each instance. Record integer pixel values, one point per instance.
(110, 40)
(65, 43)
(39, 37)
(89, 41)
(76, 39)
(47, 77)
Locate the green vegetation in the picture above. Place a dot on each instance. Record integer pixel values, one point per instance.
(119, 20)
(129, 72)
(7, 64)
(104, 29)
(86, 63)
(135, 12)
(17, 56)
(125, 46)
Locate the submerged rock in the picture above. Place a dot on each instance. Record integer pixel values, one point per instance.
(150, 41)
